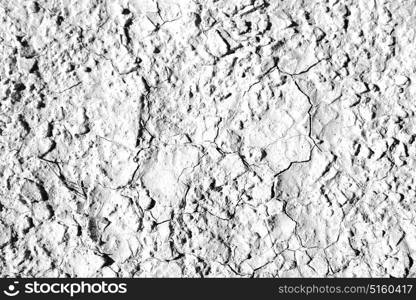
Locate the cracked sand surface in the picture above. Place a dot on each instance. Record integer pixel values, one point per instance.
(194, 138)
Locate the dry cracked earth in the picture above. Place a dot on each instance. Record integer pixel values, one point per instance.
(207, 138)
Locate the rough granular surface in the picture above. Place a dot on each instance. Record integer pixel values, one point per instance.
(207, 138)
